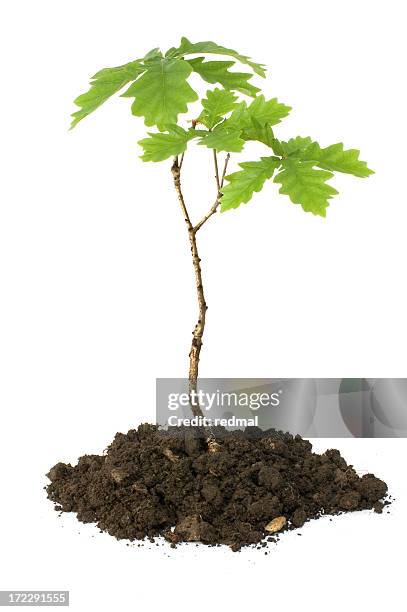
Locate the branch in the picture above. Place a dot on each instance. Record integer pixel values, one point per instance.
(182, 161)
(225, 167)
(214, 208)
(215, 159)
(175, 169)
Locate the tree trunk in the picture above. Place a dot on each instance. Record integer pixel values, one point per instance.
(198, 331)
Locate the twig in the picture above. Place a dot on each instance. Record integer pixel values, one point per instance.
(176, 175)
(214, 207)
(209, 214)
(225, 167)
(215, 159)
(182, 160)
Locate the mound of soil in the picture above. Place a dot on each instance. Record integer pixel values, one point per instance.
(236, 490)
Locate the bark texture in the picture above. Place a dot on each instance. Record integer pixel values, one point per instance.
(197, 334)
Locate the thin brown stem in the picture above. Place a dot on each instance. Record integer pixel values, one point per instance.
(209, 214)
(214, 207)
(215, 160)
(181, 161)
(225, 167)
(197, 334)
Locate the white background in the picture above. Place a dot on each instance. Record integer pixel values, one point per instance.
(97, 292)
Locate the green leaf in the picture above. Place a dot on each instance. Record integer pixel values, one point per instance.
(337, 159)
(267, 111)
(295, 145)
(277, 148)
(103, 85)
(162, 92)
(238, 120)
(160, 146)
(218, 72)
(242, 184)
(186, 48)
(256, 120)
(223, 139)
(153, 55)
(305, 185)
(261, 133)
(216, 105)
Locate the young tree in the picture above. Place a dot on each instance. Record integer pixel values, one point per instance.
(161, 91)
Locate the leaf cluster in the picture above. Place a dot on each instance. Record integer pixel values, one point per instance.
(160, 87)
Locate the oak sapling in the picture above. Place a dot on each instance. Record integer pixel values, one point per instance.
(232, 113)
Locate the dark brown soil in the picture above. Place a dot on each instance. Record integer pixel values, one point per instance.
(175, 484)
